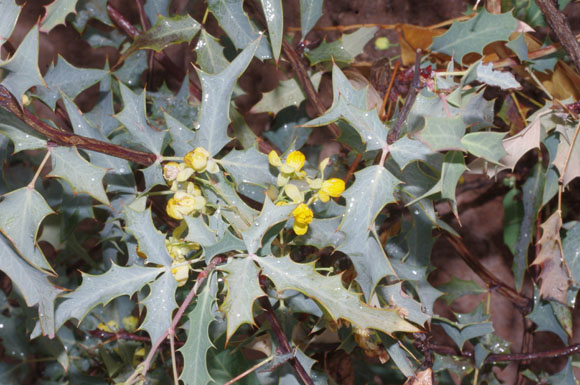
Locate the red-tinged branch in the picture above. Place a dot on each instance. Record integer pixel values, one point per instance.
(64, 138)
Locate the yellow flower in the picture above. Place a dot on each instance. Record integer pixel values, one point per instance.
(302, 217)
(180, 273)
(291, 168)
(176, 172)
(200, 160)
(184, 203)
(332, 187)
(111, 327)
(178, 248)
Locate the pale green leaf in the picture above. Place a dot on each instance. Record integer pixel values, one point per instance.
(343, 50)
(338, 302)
(443, 133)
(474, 34)
(23, 210)
(166, 31)
(21, 70)
(519, 46)
(248, 166)
(275, 21)
(32, 283)
(56, 13)
(236, 24)
(103, 288)
(198, 343)
(8, 18)
(91, 9)
(150, 240)
(287, 93)
(82, 176)
(243, 289)
(154, 8)
(310, 12)
(68, 79)
(181, 135)
(198, 231)
(486, 145)
(133, 117)
(210, 54)
(269, 216)
(407, 150)
(217, 91)
(23, 137)
(160, 304)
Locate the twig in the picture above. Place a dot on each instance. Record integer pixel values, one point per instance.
(558, 23)
(409, 101)
(385, 114)
(252, 369)
(32, 183)
(142, 370)
(64, 138)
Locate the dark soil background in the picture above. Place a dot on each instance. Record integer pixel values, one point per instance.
(480, 204)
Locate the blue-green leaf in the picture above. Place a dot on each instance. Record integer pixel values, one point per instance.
(275, 20)
(56, 13)
(198, 231)
(235, 22)
(486, 145)
(217, 92)
(151, 241)
(91, 9)
(210, 54)
(269, 216)
(81, 175)
(155, 8)
(287, 93)
(343, 50)
(8, 18)
(21, 70)
(160, 304)
(443, 133)
(248, 166)
(310, 12)
(23, 137)
(22, 212)
(181, 135)
(407, 150)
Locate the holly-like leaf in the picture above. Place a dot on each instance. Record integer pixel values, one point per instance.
(150, 240)
(474, 34)
(235, 22)
(543, 316)
(210, 54)
(343, 50)
(156, 8)
(572, 170)
(472, 325)
(407, 307)
(310, 12)
(8, 18)
(554, 277)
(226, 243)
(23, 137)
(269, 216)
(82, 176)
(243, 289)
(287, 93)
(33, 284)
(198, 231)
(248, 166)
(68, 79)
(519, 46)
(486, 145)
(275, 21)
(21, 70)
(519, 144)
(338, 302)
(457, 288)
(103, 288)
(160, 304)
(22, 212)
(571, 251)
(198, 343)
(443, 133)
(407, 150)
(91, 9)
(181, 135)
(486, 74)
(56, 13)
(166, 31)
(133, 117)
(323, 233)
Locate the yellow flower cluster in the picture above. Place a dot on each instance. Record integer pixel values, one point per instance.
(323, 190)
(178, 250)
(188, 199)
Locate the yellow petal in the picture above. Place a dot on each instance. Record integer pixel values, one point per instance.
(274, 159)
(300, 228)
(295, 160)
(293, 193)
(333, 187)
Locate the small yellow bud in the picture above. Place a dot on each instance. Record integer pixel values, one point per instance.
(170, 171)
(197, 159)
(333, 187)
(302, 217)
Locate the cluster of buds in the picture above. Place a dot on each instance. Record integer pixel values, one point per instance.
(187, 199)
(318, 189)
(178, 250)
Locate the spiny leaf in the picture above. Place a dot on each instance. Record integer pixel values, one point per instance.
(269, 216)
(198, 231)
(226, 243)
(407, 150)
(287, 93)
(275, 21)
(68, 79)
(33, 284)
(519, 144)
(81, 175)
(243, 289)
(56, 13)
(485, 145)
(8, 18)
(23, 211)
(133, 117)
(23, 137)
(573, 168)
(544, 318)
(235, 22)
(472, 325)
(156, 8)
(198, 343)
(457, 288)
(405, 305)
(323, 233)
(473, 35)
(210, 54)
(555, 280)
(338, 302)
(572, 251)
(22, 68)
(519, 46)
(217, 92)
(151, 241)
(443, 133)
(92, 9)
(343, 50)
(103, 288)
(310, 12)
(166, 31)
(160, 304)
(248, 166)
(486, 74)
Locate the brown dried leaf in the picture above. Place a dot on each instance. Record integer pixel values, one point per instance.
(555, 281)
(413, 37)
(424, 377)
(573, 169)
